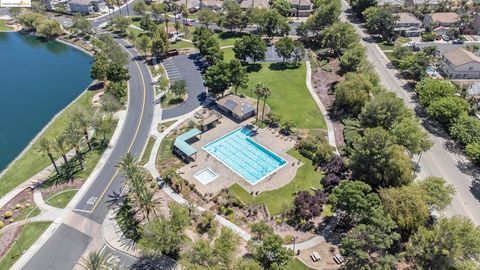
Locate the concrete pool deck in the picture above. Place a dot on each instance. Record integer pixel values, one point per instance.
(268, 138)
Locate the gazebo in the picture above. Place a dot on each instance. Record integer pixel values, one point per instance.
(182, 145)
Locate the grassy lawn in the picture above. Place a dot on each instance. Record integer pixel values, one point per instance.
(180, 44)
(385, 46)
(276, 200)
(296, 264)
(32, 161)
(28, 212)
(29, 234)
(148, 150)
(61, 199)
(388, 47)
(4, 27)
(389, 55)
(170, 100)
(165, 151)
(227, 38)
(228, 54)
(290, 96)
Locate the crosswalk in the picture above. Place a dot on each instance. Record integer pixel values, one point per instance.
(172, 70)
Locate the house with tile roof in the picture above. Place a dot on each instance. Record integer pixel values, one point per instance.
(460, 64)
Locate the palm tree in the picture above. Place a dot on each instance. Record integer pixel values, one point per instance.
(259, 88)
(75, 139)
(95, 260)
(109, 4)
(266, 93)
(127, 165)
(128, 10)
(145, 201)
(61, 146)
(45, 146)
(84, 123)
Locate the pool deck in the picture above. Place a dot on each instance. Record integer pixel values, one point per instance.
(268, 138)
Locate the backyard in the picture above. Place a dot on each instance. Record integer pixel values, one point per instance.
(290, 97)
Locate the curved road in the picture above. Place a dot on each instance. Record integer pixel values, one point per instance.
(68, 242)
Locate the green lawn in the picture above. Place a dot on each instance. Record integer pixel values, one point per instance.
(4, 27)
(28, 212)
(389, 55)
(296, 264)
(228, 54)
(61, 199)
(276, 200)
(385, 46)
(32, 161)
(29, 234)
(290, 96)
(180, 44)
(227, 38)
(148, 150)
(165, 151)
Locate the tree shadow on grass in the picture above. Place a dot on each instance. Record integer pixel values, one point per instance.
(154, 262)
(229, 34)
(254, 67)
(283, 66)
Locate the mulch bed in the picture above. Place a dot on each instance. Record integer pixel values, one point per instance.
(7, 239)
(48, 192)
(23, 200)
(323, 83)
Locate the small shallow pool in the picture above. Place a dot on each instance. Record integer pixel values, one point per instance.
(205, 176)
(244, 156)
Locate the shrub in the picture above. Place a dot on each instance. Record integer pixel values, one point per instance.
(466, 130)
(8, 214)
(1, 225)
(335, 165)
(330, 181)
(428, 36)
(473, 151)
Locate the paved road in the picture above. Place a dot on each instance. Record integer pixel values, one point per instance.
(188, 68)
(441, 160)
(443, 47)
(67, 244)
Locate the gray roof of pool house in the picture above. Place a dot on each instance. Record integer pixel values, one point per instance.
(182, 145)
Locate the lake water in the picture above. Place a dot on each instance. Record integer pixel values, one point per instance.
(37, 80)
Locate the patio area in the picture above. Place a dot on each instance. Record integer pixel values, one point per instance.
(220, 176)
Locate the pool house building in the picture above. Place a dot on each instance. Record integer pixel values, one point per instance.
(182, 147)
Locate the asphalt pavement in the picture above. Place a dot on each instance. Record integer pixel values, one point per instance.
(66, 245)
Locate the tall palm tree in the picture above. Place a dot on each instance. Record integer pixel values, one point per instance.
(110, 4)
(45, 146)
(146, 202)
(60, 143)
(95, 260)
(84, 123)
(127, 165)
(75, 140)
(128, 10)
(259, 88)
(266, 93)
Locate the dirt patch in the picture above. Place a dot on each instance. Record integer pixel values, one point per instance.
(324, 83)
(7, 239)
(326, 252)
(97, 99)
(19, 206)
(49, 191)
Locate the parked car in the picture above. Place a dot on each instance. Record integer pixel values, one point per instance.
(457, 41)
(445, 37)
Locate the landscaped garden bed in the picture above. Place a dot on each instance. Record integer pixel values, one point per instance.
(19, 208)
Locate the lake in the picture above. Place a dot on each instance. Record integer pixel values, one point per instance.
(37, 80)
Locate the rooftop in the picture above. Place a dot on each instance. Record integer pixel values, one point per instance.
(302, 2)
(460, 56)
(255, 3)
(182, 145)
(445, 17)
(405, 17)
(236, 104)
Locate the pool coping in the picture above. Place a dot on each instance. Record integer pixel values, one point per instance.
(241, 176)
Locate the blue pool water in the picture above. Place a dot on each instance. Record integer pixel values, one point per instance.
(245, 156)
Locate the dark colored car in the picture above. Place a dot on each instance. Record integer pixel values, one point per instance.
(457, 41)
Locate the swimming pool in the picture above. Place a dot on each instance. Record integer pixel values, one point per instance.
(244, 156)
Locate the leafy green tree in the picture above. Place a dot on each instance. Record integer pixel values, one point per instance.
(430, 89)
(232, 17)
(45, 146)
(437, 193)
(353, 58)
(116, 73)
(399, 53)
(225, 247)
(355, 201)
(95, 260)
(109, 47)
(208, 46)
(352, 93)
(298, 51)
(160, 9)
(377, 160)
(358, 6)
(270, 252)
(452, 243)
(406, 206)
(250, 46)
(384, 110)
(147, 24)
(338, 37)
(159, 47)
(283, 7)
(246, 264)
(140, 7)
(217, 78)
(284, 47)
(207, 223)
(144, 43)
(447, 109)
(117, 89)
(380, 21)
(238, 75)
(99, 69)
(302, 29)
(50, 29)
(473, 151)
(81, 24)
(409, 134)
(179, 88)
(201, 255)
(206, 17)
(260, 230)
(414, 66)
(121, 24)
(466, 129)
(274, 24)
(326, 13)
(165, 236)
(30, 21)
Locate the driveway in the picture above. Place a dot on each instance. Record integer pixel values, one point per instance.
(188, 68)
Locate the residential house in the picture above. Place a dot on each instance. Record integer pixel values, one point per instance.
(408, 25)
(193, 5)
(474, 27)
(301, 8)
(395, 5)
(263, 4)
(214, 5)
(460, 64)
(445, 19)
(432, 4)
(86, 6)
